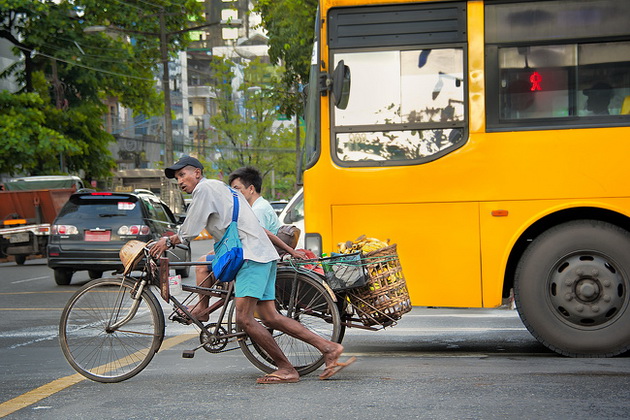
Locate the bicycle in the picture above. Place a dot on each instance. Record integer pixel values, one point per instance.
(111, 328)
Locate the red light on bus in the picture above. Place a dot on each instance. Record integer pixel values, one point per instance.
(535, 80)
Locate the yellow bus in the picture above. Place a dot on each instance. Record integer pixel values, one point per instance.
(488, 139)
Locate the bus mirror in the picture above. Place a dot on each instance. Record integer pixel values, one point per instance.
(341, 85)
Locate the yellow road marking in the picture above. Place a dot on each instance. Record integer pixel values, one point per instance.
(45, 391)
(37, 293)
(31, 309)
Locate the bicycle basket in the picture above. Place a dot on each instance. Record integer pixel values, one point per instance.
(344, 271)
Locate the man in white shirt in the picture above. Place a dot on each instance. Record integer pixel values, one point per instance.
(248, 181)
(211, 208)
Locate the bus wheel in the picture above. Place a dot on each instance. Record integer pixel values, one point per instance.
(572, 289)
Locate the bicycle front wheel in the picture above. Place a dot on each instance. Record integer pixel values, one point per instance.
(303, 298)
(98, 351)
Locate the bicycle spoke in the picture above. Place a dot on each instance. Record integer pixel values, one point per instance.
(96, 350)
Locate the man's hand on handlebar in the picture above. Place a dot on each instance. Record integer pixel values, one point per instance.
(298, 254)
(163, 244)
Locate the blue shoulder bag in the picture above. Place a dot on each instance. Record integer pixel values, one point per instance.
(229, 250)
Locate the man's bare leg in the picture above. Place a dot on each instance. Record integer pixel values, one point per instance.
(245, 307)
(203, 279)
(274, 320)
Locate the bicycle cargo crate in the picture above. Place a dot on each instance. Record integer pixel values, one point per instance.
(385, 298)
(344, 271)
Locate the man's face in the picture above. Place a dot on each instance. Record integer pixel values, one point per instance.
(187, 178)
(246, 191)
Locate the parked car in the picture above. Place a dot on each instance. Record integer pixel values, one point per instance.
(278, 205)
(293, 214)
(91, 228)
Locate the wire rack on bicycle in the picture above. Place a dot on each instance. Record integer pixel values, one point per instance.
(373, 283)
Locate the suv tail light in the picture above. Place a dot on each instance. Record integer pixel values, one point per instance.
(64, 230)
(134, 230)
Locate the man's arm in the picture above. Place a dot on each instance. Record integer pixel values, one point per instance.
(286, 248)
(200, 209)
(164, 243)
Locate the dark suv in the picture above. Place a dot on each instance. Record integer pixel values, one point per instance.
(92, 227)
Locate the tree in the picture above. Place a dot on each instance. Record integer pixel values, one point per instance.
(246, 124)
(290, 25)
(25, 138)
(72, 72)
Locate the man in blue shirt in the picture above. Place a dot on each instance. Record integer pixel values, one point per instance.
(248, 181)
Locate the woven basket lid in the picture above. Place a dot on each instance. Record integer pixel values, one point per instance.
(131, 253)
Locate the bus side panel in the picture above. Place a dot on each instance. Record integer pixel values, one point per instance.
(438, 245)
(500, 233)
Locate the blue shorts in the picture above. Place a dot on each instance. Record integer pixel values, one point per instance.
(257, 280)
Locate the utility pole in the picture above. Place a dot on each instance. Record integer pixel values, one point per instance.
(166, 88)
(164, 37)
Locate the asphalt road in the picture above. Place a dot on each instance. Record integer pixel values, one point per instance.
(436, 363)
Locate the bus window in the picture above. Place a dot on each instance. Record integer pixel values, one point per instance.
(395, 145)
(535, 81)
(559, 64)
(403, 86)
(564, 80)
(395, 88)
(603, 78)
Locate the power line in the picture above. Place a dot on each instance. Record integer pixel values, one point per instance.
(74, 63)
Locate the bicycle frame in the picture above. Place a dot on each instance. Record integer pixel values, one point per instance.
(132, 311)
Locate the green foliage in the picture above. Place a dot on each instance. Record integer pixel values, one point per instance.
(73, 71)
(290, 25)
(27, 144)
(247, 135)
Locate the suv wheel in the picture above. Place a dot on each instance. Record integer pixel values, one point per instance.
(95, 274)
(63, 276)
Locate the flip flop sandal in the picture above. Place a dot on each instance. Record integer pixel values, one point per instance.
(272, 378)
(330, 371)
(180, 317)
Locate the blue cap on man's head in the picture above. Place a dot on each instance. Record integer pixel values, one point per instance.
(184, 161)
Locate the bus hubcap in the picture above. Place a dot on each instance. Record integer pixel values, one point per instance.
(587, 290)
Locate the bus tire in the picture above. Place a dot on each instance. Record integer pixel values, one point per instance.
(572, 289)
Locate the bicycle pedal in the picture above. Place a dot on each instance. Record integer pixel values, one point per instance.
(188, 354)
(181, 319)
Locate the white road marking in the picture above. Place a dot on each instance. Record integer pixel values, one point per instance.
(27, 280)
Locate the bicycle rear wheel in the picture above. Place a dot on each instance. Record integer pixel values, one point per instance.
(94, 349)
(302, 297)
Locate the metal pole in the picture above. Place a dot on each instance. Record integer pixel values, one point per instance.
(168, 118)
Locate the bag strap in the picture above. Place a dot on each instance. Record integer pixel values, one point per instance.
(236, 207)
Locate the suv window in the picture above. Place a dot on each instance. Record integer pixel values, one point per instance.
(85, 207)
(156, 210)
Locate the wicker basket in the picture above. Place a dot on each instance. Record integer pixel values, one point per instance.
(385, 298)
